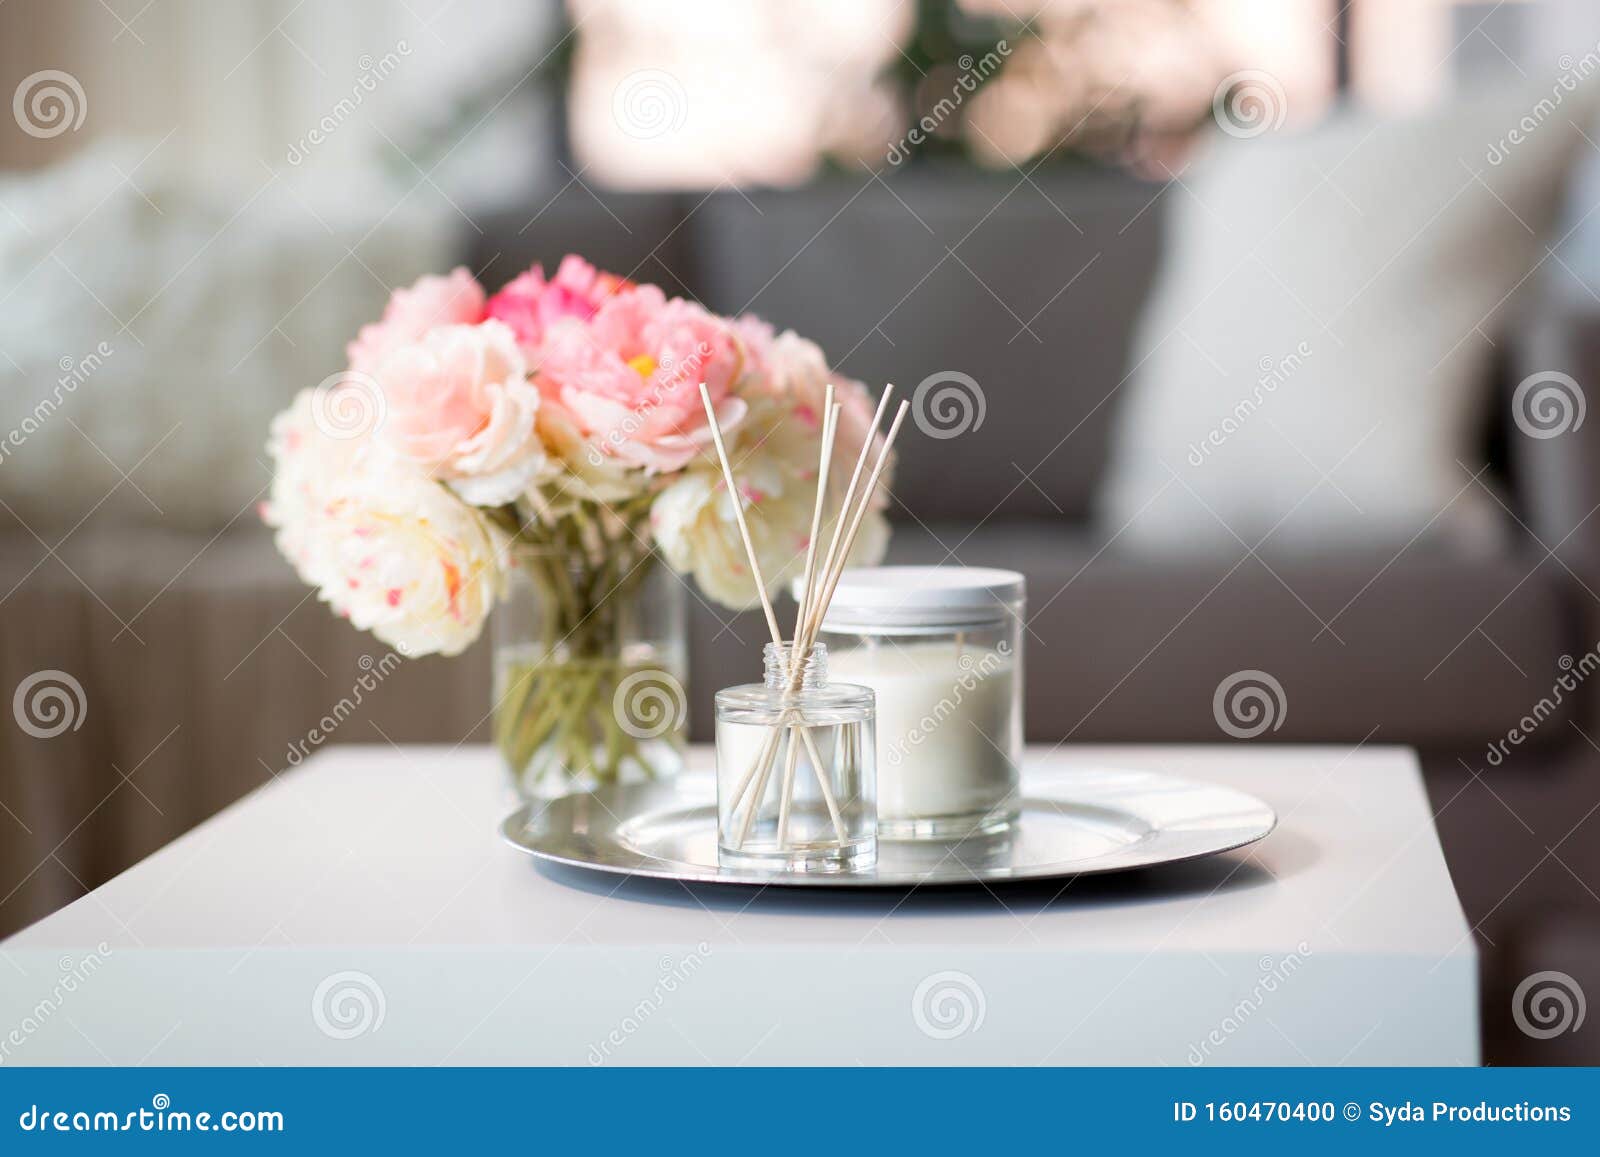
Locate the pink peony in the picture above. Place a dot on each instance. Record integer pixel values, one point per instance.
(458, 403)
(532, 306)
(631, 379)
(455, 299)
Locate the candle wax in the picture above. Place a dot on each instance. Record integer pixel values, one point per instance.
(947, 716)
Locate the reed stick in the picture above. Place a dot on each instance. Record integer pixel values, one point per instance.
(761, 790)
(855, 479)
(769, 750)
(738, 515)
(790, 759)
(814, 607)
(818, 766)
(820, 606)
(830, 426)
(762, 759)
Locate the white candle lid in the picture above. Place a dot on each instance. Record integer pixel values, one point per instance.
(922, 597)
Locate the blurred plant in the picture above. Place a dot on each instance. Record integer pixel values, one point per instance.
(1115, 79)
(997, 82)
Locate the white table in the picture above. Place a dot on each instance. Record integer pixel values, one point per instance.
(362, 910)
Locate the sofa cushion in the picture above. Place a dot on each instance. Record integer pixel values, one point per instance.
(1315, 364)
(1415, 646)
(1018, 297)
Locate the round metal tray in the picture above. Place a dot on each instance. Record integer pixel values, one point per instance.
(1087, 822)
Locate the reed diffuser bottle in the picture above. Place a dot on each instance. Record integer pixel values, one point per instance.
(797, 768)
(796, 756)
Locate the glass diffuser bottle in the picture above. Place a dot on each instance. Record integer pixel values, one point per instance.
(797, 769)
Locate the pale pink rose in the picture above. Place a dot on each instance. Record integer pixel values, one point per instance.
(459, 404)
(631, 379)
(532, 306)
(455, 299)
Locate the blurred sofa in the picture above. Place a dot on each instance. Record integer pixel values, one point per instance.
(202, 658)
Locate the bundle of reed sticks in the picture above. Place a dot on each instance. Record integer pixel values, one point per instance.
(819, 579)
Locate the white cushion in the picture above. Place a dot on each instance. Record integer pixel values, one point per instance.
(1314, 365)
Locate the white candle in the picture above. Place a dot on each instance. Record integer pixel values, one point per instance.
(947, 717)
(941, 648)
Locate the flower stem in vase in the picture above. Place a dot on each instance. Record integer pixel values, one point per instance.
(589, 661)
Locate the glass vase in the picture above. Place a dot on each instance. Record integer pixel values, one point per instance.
(590, 670)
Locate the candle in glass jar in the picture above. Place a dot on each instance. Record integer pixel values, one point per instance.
(940, 648)
(944, 721)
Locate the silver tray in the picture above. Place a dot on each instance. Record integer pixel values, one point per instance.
(1083, 823)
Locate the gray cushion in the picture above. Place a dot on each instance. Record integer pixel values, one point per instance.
(1035, 302)
(1121, 648)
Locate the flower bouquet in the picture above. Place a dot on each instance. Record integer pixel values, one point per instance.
(551, 438)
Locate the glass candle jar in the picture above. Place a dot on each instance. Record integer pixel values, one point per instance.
(942, 649)
(796, 769)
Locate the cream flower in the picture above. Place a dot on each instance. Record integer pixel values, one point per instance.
(308, 464)
(693, 522)
(775, 456)
(589, 474)
(401, 556)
